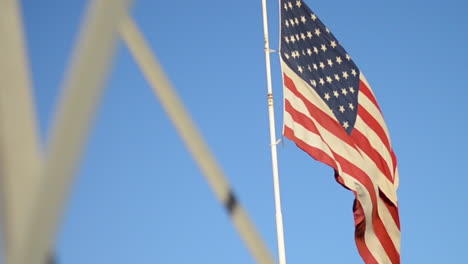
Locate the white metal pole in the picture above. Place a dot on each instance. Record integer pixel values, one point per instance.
(187, 130)
(273, 142)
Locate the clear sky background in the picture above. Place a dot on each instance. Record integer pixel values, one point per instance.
(139, 197)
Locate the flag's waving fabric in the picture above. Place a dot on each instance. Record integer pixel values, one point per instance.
(331, 113)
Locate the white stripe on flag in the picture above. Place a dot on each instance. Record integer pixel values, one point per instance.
(377, 114)
(375, 142)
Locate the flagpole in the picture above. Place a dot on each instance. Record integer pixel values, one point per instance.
(273, 142)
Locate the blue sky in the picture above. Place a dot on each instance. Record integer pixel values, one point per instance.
(139, 197)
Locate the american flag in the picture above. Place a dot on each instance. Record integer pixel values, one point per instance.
(331, 113)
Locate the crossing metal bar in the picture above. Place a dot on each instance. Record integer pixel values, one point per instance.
(193, 140)
(81, 93)
(19, 147)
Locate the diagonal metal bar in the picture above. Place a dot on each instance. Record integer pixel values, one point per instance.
(19, 144)
(81, 93)
(192, 139)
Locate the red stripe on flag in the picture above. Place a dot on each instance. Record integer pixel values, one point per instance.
(300, 117)
(375, 126)
(385, 240)
(366, 90)
(364, 144)
(315, 153)
(360, 229)
(305, 122)
(392, 209)
(394, 161)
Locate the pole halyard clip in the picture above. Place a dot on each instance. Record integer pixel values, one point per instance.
(277, 141)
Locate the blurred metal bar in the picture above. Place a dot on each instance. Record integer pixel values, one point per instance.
(81, 93)
(193, 140)
(19, 144)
